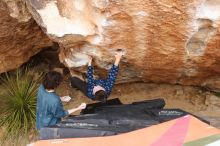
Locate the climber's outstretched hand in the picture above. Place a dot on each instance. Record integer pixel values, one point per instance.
(90, 61)
(118, 54)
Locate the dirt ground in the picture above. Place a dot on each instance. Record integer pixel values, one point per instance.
(188, 98)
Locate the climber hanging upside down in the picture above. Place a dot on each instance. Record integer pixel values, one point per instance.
(98, 89)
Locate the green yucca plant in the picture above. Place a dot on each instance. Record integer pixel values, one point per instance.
(18, 110)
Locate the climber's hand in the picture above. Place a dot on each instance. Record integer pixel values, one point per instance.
(90, 61)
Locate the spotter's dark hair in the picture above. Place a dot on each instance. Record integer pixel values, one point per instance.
(52, 80)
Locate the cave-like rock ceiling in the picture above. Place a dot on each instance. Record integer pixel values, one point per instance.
(165, 41)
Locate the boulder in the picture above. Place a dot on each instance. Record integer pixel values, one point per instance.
(212, 101)
(165, 41)
(20, 36)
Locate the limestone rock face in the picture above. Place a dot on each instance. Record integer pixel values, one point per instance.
(171, 41)
(212, 101)
(20, 36)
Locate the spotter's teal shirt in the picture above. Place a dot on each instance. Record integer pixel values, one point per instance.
(49, 108)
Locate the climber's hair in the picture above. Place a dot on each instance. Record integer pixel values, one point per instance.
(101, 96)
(52, 80)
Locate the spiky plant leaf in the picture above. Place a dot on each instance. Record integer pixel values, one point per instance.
(18, 114)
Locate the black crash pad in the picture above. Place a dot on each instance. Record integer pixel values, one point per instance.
(112, 118)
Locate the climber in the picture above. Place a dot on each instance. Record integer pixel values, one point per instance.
(49, 107)
(98, 89)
